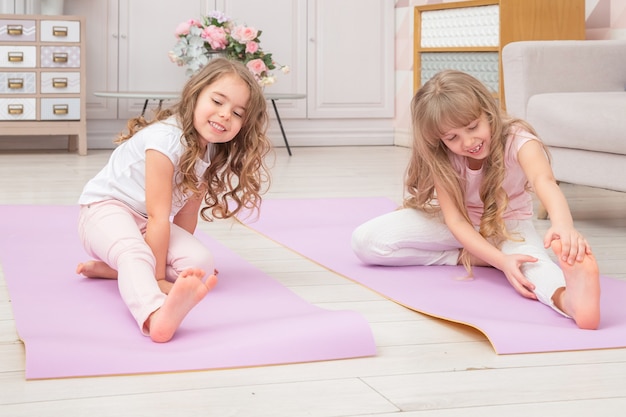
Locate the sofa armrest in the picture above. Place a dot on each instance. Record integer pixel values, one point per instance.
(535, 67)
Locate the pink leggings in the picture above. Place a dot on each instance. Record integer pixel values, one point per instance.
(112, 232)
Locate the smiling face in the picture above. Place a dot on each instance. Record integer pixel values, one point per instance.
(221, 109)
(471, 141)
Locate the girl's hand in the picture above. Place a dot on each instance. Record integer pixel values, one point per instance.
(574, 246)
(513, 273)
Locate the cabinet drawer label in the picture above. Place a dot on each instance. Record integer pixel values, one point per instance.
(59, 57)
(59, 82)
(15, 83)
(15, 56)
(60, 31)
(60, 109)
(15, 109)
(15, 30)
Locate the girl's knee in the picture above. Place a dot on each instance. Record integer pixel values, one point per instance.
(368, 249)
(197, 257)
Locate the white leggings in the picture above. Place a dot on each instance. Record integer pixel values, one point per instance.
(112, 232)
(412, 237)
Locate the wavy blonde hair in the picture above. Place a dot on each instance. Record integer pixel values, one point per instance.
(237, 171)
(455, 99)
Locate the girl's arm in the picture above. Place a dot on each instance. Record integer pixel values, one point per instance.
(159, 178)
(536, 166)
(478, 246)
(187, 217)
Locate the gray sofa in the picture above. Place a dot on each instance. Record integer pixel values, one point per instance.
(573, 93)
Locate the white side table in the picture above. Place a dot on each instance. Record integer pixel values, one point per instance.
(143, 95)
(273, 97)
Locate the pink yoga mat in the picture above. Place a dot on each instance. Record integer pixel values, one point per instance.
(74, 326)
(321, 229)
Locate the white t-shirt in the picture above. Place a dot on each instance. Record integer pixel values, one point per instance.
(123, 178)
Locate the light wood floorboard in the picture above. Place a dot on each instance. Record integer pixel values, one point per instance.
(424, 366)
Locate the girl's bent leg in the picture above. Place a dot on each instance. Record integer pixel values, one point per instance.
(186, 251)
(405, 237)
(544, 274)
(112, 232)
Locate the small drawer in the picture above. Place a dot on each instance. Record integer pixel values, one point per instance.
(17, 30)
(60, 31)
(18, 56)
(60, 109)
(60, 82)
(60, 56)
(18, 83)
(18, 109)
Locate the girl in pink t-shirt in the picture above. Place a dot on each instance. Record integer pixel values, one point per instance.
(468, 202)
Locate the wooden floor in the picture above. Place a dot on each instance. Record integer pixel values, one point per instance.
(424, 366)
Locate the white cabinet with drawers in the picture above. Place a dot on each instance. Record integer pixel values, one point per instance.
(42, 77)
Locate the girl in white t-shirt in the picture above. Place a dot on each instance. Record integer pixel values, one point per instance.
(139, 213)
(468, 202)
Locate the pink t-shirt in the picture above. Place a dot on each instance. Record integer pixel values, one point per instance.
(520, 200)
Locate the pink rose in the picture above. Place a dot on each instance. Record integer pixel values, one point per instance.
(252, 47)
(183, 28)
(215, 36)
(244, 34)
(256, 66)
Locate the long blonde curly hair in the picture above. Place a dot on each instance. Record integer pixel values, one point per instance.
(238, 171)
(455, 99)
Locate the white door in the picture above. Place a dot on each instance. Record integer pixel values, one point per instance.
(146, 36)
(285, 36)
(127, 49)
(350, 59)
(101, 18)
(341, 53)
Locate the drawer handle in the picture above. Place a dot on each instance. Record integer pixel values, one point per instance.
(15, 30)
(59, 57)
(16, 109)
(59, 82)
(60, 31)
(60, 109)
(16, 56)
(16, 83)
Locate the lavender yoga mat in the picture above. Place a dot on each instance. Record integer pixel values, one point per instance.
(321, 229)
(74, 326)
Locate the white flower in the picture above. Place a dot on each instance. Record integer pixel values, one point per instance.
(269, 80)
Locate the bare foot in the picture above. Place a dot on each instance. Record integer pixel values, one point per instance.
(96, 269)
(186, 292)
(581, 296)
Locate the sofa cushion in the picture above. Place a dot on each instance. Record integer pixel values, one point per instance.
(593, 121)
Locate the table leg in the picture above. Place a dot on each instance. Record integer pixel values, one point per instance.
(145, 104)
(280, 123)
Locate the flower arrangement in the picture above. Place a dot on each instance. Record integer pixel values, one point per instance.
(217, 34)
